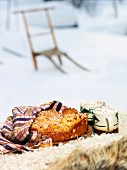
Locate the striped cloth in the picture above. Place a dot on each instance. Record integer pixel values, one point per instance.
(15, 135)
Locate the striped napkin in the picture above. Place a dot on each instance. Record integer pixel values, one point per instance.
(15, 135)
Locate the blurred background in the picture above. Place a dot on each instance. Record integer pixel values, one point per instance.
(92, 32)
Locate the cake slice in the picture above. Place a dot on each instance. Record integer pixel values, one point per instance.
(61, 127)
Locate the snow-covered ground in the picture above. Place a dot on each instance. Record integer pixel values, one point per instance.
(99, 43)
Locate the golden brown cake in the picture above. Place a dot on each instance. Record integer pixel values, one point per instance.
(61, 126)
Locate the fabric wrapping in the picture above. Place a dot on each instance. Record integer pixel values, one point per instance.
(15, 135)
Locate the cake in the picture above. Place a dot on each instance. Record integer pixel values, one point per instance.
(68, 124)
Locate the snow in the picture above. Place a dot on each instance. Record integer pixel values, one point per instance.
(99, 43)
